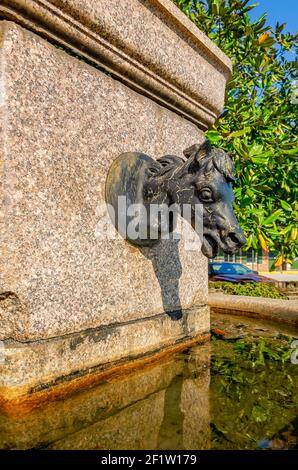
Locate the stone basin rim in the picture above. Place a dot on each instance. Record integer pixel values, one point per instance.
(276, 310)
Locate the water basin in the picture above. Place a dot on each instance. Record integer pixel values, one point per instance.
(237, 392)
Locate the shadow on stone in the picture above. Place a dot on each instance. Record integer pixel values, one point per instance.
(168, 270)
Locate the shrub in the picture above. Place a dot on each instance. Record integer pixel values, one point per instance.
(253, 289)
(258, 126)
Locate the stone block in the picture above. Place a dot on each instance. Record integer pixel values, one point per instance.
(71, 300)
(65, 122)
(162, 406)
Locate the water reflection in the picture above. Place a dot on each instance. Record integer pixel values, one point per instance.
(207, 397)
(160, 407)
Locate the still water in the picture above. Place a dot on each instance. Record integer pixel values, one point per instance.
(237, 392)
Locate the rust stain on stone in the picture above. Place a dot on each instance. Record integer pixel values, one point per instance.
(70, 385)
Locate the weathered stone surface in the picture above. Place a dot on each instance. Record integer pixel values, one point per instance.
(160, 407)
(70, 300)
(283, 311)
(58, 419)
(31, 366)
(150, 44)
(63, 123)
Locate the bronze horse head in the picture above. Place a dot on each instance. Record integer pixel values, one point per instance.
(204, 178)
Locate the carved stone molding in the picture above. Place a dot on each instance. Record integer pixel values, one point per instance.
(149, 45)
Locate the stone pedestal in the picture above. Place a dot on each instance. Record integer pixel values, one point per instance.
(80, 84)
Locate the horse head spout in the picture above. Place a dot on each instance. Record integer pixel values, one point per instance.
(212, 173)
(203, 179)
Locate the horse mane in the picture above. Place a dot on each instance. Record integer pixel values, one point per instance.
(200, 158)
(203, 158)
(168, 162)
(219, 160)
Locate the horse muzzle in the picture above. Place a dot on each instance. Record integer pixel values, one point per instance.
(233, 241)
(230, 242)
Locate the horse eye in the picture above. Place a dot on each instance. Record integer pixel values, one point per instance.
(206, 195)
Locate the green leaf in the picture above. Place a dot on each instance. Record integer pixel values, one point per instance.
(285, 206)
(256, 149)
(272, 218)
(293, 151)
(213, 136)
(243, 131)
(257, 126)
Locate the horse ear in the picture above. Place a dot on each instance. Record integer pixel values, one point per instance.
(203, 151)
(197, 151)
(191, 151)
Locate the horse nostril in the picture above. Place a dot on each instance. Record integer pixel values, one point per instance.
(237, 237)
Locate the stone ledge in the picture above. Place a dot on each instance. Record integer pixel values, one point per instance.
(135, 393)
(32, 367)
(282, 311)
(187, 74)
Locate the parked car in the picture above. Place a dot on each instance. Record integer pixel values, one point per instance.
(234, 272)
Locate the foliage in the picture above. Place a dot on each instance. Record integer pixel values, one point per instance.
(258, 124)
(253, 289)
(258, 352)
(253, 394)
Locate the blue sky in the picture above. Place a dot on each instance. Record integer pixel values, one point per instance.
(283, 11)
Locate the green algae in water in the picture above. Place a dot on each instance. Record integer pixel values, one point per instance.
(253, 394)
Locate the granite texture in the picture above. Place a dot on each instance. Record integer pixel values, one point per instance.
(63, 123)
(74, 304)
(282, 311)
(149, 44)
(38, 365)
(164, 406)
